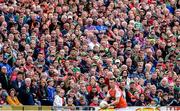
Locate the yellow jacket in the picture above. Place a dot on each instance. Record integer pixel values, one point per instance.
(13, 101)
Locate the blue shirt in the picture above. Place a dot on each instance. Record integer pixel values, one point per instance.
(101, 28)
(8, 67)
(51, 93)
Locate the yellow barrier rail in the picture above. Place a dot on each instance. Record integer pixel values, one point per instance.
(43, 108)
(82, 108)
(25, 108)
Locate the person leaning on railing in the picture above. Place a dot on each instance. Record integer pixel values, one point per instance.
(12, 99)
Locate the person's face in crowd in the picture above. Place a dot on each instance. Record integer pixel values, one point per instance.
(124, 68)
(28, 83)
(178, 82)
(112, 83)
(23, 30)
(170, 66)
(104, 43)
(12, 29)
(153, 89)
(164, 82)
(61, 93)
(19, 77)
(66, 49)
(105, 89)
(83, 88)
(93, 71)
(40, 68)
(12, 93)
(109, 75)
(58, 88)
(51, 68)
(123, 84)
(114, 54)
(141, 82)
(132, 86)
(18, 61)
(140, 66)
(1, 57)
(116, 72)
(148, 67)
(4, 70)
(171, 87)
(136, 80)
(129, 62)
(33, 44)
(159, 53)
(56, 64)
(70, 101)
(137, 49)
(62, 84)
(101, 80)
(125, 74)
(72, 93)
(154, 76)
(94, 90)
(109, 61)
(147, 93)
(51, 83)
(23, 42)
(93, 81)
(53, 34)
(148, 85)
(20, 55)
(30, 52)
(52, 57)
(136, 94)
(27, 47)
(5, 48)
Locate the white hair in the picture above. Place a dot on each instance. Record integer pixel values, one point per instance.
(28, 79)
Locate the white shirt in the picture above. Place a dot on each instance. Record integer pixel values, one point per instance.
(91, 45)
(58, 101)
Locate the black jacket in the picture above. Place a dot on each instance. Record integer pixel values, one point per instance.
(4, 82)
(14, 84)
(26, 96)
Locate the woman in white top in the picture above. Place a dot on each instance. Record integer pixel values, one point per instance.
(58, 100)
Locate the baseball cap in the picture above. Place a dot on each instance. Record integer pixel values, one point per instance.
(117, 61)
(83, 54)
(96, 57)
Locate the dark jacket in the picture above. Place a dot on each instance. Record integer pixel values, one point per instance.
(42, 93)
(140, 103)
(4, 80)
(26, 96)
(16, 86)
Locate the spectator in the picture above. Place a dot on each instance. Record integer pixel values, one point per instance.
(12, 99)
(141, 101)
(26, 93)
(2, 96)
(4, 78)
(70, 103)
(94, 102)
(18, 82)
(50, 91)
(43, 93)
(58, 99)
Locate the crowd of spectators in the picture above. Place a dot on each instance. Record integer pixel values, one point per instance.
(63, 52)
